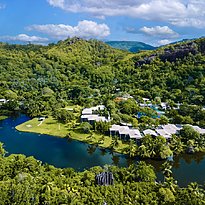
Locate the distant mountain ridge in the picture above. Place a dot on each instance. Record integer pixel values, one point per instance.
(132, 46)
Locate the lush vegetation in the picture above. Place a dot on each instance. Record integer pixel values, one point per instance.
(26, 181)
(46, 80)
(42, 79)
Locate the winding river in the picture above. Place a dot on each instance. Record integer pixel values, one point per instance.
(62, 152)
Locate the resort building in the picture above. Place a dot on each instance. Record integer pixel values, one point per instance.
(150, 132)
(125, 133)
(198, 129)
(89, 111)
(164, 130)
(93, 118)
(89, 116)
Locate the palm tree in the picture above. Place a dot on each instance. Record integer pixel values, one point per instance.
(143, 152)
(166, 169)
(176, 144)
(2, 150)
(114, 142)
(90, 136)
(195, 189)
(171, 184)
(132, 148)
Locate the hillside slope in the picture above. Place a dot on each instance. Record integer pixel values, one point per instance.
(88, 72)
(132, 46)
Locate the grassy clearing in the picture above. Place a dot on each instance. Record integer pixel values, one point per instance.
(49, 126)
(52, 127)
(3, 117)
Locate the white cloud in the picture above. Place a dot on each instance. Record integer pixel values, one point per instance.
(178, 12)
(84, 29)
(163, 42)
(24, 38)
(159, 31)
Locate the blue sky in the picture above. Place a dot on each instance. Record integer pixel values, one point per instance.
(155, 22)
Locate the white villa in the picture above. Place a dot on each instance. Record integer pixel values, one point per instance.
(198, 129)
(150, 132)
(125, 133)
(89, 111)
(89, 116)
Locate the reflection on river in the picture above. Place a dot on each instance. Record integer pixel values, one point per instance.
(69, 153)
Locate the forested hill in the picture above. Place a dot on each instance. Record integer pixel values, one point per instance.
(89, 72)
(132, 46)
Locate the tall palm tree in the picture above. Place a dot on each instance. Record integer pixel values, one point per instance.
(143, 152)
(167, 169)
(114, 142)
(132, 148)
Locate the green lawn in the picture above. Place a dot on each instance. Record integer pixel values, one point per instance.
(51, 127)
(3, 117)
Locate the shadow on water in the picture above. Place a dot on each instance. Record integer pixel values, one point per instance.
(65, 152)
(91, 149)
(116, 160)
(103, 151)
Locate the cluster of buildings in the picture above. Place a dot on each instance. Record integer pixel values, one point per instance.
(166, 131)
(90, 115)
(163, 105)
(126, 133)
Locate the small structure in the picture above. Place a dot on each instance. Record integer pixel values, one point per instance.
(125, 133)
(3, 101)
(198, 129)
(150, 132)
(135, 134)
(93, 118)
(89, 111)
(163, 133)
(163, 105)
(171, 128)
(89, 115)
(168, 130)
(105, 179)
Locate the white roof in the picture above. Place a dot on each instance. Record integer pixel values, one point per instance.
(124, 130)
(150, 132)
(115, 128)
(145, 105)
(135, 134)
(171, 128)
(94, 118)
(163, 133)
(198, 129)
(87, 111)
(145, 99)
(3, 100)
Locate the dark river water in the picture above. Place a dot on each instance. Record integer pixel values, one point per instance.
(62, 152)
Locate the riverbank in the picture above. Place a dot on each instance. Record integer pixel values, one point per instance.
(52, 127)
(3, 117)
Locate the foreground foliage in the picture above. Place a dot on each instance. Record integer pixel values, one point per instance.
(25, 181)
